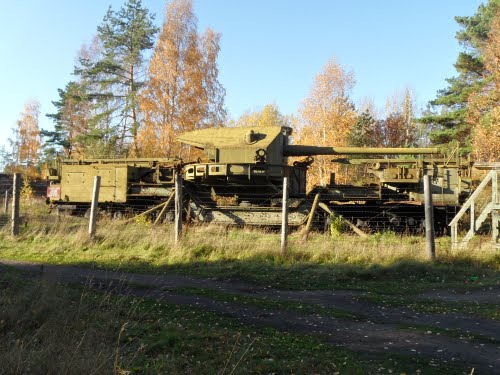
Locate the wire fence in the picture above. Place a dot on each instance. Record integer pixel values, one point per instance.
(232, 204)
(36, 212)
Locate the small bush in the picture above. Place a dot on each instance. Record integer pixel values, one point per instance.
(26, 190)
(336, 225)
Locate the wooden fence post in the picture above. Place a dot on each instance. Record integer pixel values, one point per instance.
(495, 215)
(284, 217)
(311, 216)
(454, 236)
(178, 206)
(495, 226)
(93, 206)
(6, 203)
(429, 219)
(16, 195)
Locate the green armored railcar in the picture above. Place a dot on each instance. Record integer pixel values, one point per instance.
(126, 184)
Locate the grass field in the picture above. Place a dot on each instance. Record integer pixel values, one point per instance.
(87, 331)
(46, 327)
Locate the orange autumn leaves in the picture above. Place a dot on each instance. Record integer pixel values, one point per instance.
(26, 143)
(328, 117)
(182, 92)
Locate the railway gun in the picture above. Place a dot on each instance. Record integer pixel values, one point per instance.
(240, 182)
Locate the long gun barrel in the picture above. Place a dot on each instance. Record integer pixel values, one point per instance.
(298, 150)
(270, 144)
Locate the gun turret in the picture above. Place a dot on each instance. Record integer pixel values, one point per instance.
(270, 145)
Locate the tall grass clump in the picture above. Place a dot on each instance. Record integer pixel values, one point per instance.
(45, 328)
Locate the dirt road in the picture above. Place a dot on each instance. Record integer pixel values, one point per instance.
(372, 327)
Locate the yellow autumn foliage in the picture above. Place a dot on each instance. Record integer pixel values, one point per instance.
(326, 119)
(483, 111)
(182, 91)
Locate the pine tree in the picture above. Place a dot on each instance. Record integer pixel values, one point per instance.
(366, 132)
(117, 76)
(449, 117)
(71, 121)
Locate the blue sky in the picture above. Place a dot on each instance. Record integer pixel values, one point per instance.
(270, 49)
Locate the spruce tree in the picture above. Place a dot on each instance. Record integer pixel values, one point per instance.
(366, 132)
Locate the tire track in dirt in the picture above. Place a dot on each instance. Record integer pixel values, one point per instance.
(487, 294)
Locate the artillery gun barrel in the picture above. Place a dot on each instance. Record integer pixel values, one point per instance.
(299, 150)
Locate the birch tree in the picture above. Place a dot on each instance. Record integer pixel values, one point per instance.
(26, 141)
(327, 116)
(270, 115)
(400, 127)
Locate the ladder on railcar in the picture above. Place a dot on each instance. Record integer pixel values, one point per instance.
(491, 209)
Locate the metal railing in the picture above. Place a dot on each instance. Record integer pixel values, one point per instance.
(469, 206)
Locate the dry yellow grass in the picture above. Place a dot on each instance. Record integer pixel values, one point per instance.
(251, 254)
